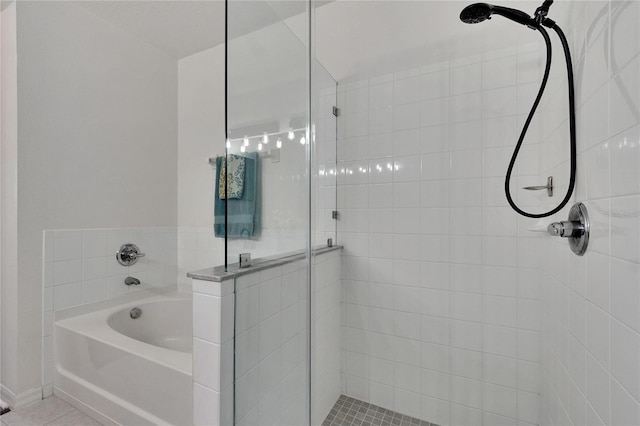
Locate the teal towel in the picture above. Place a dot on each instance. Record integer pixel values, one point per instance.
(244, 213)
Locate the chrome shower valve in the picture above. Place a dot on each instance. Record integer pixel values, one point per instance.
(576, 229)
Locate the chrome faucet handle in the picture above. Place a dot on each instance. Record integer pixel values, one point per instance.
(565, 229)
(576, 229)
(128, 254)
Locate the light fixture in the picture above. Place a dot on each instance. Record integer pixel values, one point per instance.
(291, 135)
(279, 143)
(246, 141)
(228, 144)
(265, 138)
(303, 141)
(242, 148)
(260, 147)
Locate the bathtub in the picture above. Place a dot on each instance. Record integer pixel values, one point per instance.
(129, 371)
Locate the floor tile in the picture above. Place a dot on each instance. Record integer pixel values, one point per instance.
(74, 418)
(349, 411)
(38, 414)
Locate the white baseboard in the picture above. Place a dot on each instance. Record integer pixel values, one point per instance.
(22, 399)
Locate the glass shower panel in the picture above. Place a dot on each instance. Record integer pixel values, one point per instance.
(323, 155)
(325, 282)
(267, 114)
(268, 128)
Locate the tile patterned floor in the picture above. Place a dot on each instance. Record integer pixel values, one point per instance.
(353, 412)
(51, 411)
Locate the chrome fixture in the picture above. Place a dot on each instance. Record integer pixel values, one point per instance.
(131, 281)
(480, 12)
(135, 313)
(128, 254)
(576, 229)
(548, 187)
(245, 260)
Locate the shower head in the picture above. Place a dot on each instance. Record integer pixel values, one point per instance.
(478, 12)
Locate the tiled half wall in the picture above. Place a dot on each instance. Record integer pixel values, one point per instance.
(271, 344)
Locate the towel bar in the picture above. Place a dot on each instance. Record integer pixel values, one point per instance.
(273, 154)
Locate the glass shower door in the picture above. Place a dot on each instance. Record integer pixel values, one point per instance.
(269, 132)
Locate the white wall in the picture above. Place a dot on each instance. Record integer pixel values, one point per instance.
(441, 286)
(591, 335)
(8, 213)
(200, 132)
(200, 136)
(97, 123)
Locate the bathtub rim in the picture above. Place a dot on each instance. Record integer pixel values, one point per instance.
(93, 325)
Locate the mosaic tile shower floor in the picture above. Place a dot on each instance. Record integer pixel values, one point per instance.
(353, 412)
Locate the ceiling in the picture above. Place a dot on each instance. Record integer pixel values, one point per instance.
(182, 28)
(388, 36)
(352, 37)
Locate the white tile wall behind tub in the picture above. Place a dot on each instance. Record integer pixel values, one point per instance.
(80, 267)
(591, 331)
(441, 281)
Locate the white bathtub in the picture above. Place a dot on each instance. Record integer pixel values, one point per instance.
(130, 371)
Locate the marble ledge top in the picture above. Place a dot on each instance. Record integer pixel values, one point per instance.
(219, 274)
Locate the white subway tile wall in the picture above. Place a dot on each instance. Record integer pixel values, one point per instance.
(325, 333)
(271, 347)
(441, 283)
(591, 304)
(80, 267)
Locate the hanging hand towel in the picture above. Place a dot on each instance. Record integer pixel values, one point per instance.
(234, 177)
(244, 213)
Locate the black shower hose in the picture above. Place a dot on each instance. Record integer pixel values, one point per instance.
(572, 123)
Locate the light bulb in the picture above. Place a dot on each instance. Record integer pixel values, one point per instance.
(246, 141)
(291, 135)
(228, 144)
(303, 141)
(242, 148)
(279, 143)
(265, 138)
(260, 147)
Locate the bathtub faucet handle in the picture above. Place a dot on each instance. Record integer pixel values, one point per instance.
(128, 254)
(131, 281)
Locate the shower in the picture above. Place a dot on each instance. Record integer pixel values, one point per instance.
(480, 12)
